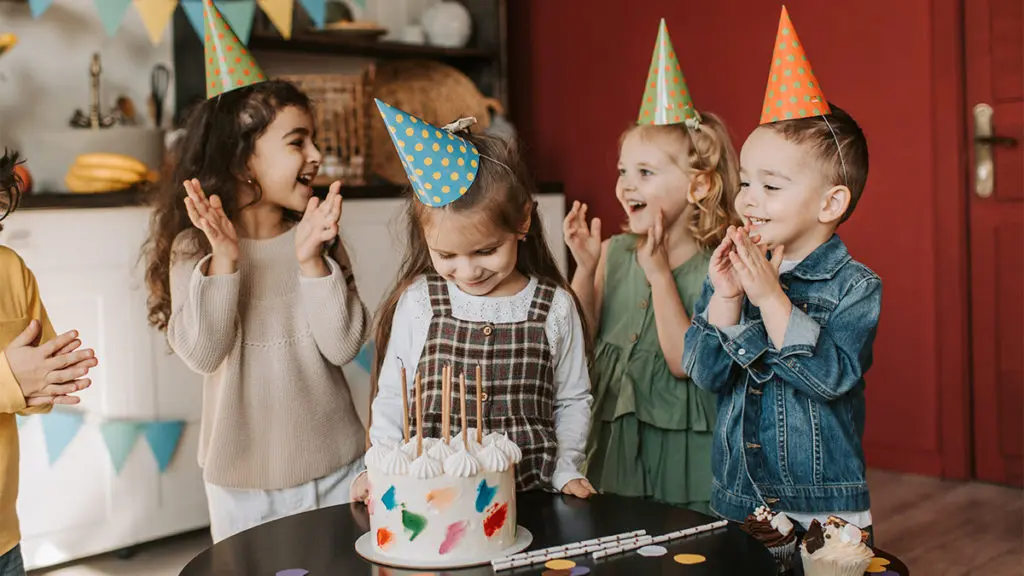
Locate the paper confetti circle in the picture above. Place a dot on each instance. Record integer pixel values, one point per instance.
(877, 565)
(652, 551)
(689, 558)
(293, 572)
(440, 165)
(559, 564)
(579, 571)
(793, 90)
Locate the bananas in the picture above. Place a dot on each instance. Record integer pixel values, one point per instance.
(105, 172)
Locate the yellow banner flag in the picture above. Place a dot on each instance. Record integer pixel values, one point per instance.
(156, 14)
(280, 14)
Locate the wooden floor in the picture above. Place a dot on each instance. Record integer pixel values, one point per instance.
(937, 528)
(941, 528)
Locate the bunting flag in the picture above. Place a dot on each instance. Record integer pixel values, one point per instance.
(156, 15)
(59, 429)
(38, 7)
(317, 10)
(120, 437)
(163, 440)
(365, 357)
(280, 14)
(111, 12)
(19, 419)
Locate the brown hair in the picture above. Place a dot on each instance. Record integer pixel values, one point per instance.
(708, 150)
(501, 190)
(220, 136)
(843, 157)
(10, 184)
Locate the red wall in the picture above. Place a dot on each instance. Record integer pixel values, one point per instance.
(577, 75)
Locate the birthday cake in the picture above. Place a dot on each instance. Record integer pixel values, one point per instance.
(434, 500)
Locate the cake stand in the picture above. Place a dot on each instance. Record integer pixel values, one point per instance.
(366, 549)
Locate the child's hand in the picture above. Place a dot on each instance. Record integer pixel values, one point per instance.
(360, 489)
(652, 254)
(584, 243)
(579, 487)
(319, 224)
(208, 215)
(758, 277)
(720, 270)
(48, 373)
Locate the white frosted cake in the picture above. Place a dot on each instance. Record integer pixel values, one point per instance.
(447, 504)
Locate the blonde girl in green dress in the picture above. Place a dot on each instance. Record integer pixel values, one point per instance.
(652, 427)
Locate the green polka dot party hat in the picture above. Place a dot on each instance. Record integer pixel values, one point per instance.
(228, 64)
(793, 90)
(666, 96)
(441, 166)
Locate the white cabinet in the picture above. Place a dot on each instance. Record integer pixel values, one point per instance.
(87, 264)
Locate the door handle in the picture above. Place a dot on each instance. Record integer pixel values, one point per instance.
(984, 140)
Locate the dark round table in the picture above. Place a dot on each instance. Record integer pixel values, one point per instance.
(322, 542)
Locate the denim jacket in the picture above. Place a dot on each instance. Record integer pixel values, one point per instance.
(791, 420)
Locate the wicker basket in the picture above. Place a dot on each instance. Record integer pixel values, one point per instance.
(342, 106)
(433, 91)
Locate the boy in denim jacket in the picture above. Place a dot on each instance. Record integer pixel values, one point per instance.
(785, 341)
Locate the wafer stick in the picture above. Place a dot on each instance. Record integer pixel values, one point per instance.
(479, 406)
(419, 417)
(462, 401)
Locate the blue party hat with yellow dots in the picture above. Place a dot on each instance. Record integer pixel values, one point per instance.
(441, 166)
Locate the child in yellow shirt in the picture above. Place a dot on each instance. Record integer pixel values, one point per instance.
(37, 368)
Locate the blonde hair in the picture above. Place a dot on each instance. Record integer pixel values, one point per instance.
(708, 151)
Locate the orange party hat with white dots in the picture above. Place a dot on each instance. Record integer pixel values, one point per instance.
(228, 64)
(793, 91)
(666, 97)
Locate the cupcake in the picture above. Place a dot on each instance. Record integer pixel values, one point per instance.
(775, 532)
(836, 548)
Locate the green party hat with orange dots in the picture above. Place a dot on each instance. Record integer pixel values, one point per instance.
(793, 91)
(228, 64)
(441, 166)
(666, 97)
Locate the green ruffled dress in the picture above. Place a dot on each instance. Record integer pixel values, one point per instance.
(651, 433)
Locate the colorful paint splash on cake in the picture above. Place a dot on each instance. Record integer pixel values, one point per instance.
(413, 523)
(484, 495)
(388, 499)
(453, 536)
(496, 517)
(442, 498)
(384, 538)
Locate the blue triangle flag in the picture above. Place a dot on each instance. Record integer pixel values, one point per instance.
(20, 420)
(38, 7)
(316, 10)
(365, 357)
(59, 429)
(194, 11)
(163, 440)
(111, 12)
(120, 438)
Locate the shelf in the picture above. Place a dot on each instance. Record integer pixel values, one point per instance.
(128, 198)
(339, 44)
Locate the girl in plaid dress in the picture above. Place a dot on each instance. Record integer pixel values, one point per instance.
(479, 287)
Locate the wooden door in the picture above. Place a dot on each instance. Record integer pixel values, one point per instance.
(994, 37)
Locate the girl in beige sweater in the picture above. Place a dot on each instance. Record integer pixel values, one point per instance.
(256, 293)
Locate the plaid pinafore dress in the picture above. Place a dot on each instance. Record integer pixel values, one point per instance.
(518, 379)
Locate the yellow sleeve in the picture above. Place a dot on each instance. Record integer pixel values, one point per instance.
(12, 398)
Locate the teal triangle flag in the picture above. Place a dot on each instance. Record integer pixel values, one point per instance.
(59, 429)
(163, 440)
(365, 357)
(38, 7)
(111, 12)
(20, 420)
(239, 14)
(194, 11)
(120, 436)
(316, 10)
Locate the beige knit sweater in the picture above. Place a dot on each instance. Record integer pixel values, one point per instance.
(277, 411)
